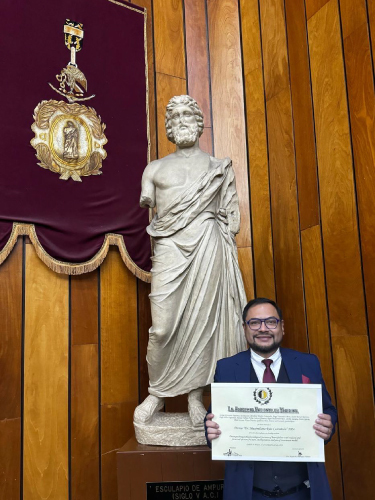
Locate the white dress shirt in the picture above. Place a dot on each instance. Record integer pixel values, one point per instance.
(260, 367)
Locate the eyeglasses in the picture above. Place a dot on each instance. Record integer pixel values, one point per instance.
(256, 323)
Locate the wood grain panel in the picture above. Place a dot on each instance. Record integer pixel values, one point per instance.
(84, 308)
(302, 114)
(257, 150)
(197, 56)
(84, 423)
(353, 15)
(45, 382)
(144, 324)
(11, 334)
(205, 141)
(228, 100)
(362, 114)
(119, 334)
(117, 428)
(166, 87)
(338, 208)
(10, 458)
(245, 260)
(147, 4)
(276, 72)
(355, 411)
(287, 251)
(319, 337)
(312, 6)
(371, 16)
(169, 37)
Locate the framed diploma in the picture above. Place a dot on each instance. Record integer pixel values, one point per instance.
(271, 422)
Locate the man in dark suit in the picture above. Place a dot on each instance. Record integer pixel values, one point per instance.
(265, 361)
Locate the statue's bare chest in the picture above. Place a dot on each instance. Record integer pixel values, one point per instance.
(180, 172)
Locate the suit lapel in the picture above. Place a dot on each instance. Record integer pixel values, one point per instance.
(242, 370)
(292, 365)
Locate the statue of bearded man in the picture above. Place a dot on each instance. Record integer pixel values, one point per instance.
(197, 293)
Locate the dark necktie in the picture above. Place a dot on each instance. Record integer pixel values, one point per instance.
(268, 375)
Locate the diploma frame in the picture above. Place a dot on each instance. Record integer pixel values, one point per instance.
(267, 422)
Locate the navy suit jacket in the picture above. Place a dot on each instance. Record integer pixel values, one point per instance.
(238, 482)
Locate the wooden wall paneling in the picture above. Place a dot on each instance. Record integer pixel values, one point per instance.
(45, 382)
(147, 4)
(302, 113)
(10, 458)
(312, 6)
(84, 308)
(338, 206)
(245, 261)
(205, 141)
(360, 86)
(371, 20)
(169, 37)
(276, 72)
(166, 87)
(319, 337)
(257, 150)
(353, 15)
(119, 363)
(228, 100)
(356, 414)
(287, 251)
(10, 373)
(197, 56)
(11, 334)
(84, 422)
(144, 324)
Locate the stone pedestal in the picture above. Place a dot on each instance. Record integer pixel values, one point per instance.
(139, 464)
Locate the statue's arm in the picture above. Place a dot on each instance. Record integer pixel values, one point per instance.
(233, 213)
(148, 196)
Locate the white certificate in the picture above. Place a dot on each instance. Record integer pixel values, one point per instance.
(272, 422)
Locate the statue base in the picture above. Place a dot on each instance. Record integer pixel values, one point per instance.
(170, 429)
(143, 472)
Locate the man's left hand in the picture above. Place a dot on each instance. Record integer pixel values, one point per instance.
(323, 426)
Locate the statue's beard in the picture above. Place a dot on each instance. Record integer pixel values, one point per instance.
(187, 136)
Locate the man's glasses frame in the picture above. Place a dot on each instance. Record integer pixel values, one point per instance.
(270, 327)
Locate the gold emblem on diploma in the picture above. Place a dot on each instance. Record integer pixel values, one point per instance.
(69, 137)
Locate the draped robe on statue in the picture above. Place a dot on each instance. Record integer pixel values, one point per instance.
(197, 294)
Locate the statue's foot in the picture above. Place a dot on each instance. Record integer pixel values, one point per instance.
(197, 411)
(145, 411)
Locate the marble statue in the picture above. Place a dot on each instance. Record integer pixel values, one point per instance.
(197, 292)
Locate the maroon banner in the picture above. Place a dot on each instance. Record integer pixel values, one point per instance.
(77, 218)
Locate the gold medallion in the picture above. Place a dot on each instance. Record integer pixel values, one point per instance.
(69, 137)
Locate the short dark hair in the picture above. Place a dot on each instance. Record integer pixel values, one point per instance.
(257, 302)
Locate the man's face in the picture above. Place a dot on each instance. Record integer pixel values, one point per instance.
(264, 341)
(184, 125)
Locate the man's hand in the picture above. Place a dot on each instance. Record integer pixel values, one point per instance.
(323, 426)
(213, 430)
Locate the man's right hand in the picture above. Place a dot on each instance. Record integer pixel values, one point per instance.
(213, 430)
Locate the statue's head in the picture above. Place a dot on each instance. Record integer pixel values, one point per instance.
(183, 120)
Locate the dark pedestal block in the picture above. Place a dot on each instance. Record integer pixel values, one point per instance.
(139, 464)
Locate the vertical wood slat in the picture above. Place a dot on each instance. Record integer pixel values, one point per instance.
(144, 324)
(371, 27)
(84, 308)
(197, 56)
(257, 150)
(355, 410)
(45, 382)
(167, 87)
(353, 15)
(228, 100)
(319, 337)
(287, 252)
(312, 6)
(245, 261)
(119, 363)
(338, 209)
(360, 86)
(169, 38)
(10, 373)
(84, 423)
(302, 114)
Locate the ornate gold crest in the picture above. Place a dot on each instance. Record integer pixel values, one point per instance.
(69, 138)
